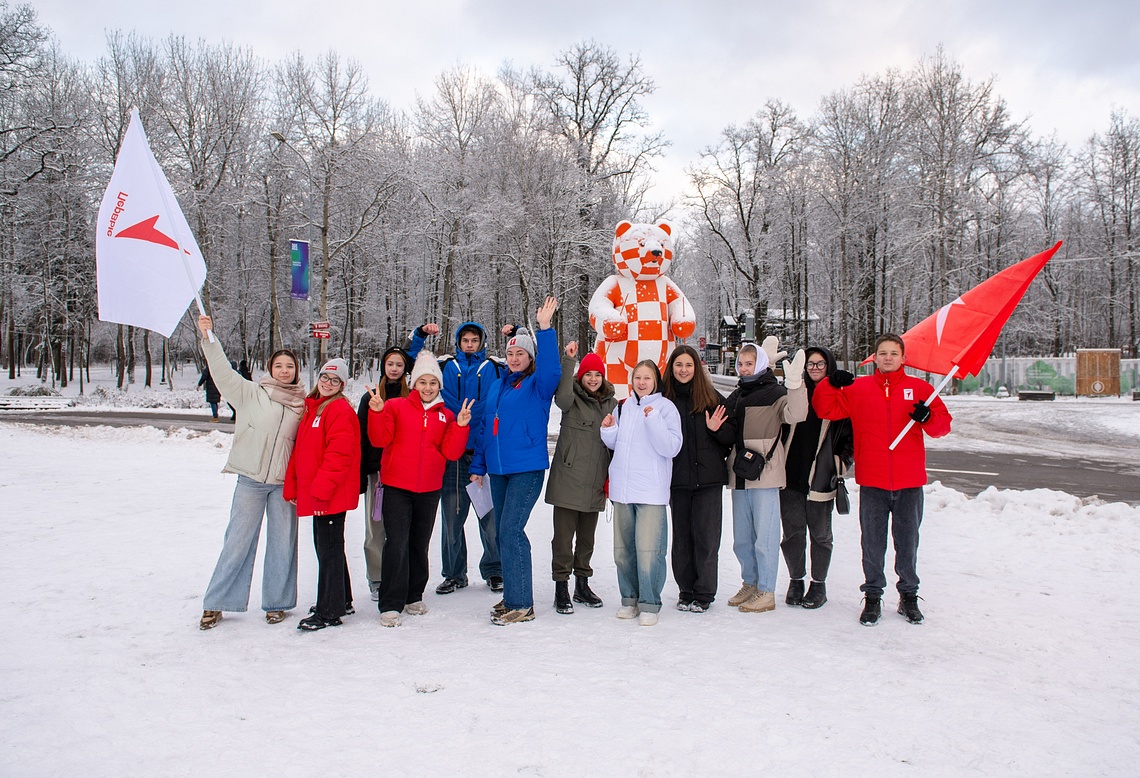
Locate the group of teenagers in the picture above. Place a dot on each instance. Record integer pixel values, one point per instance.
(434, 430)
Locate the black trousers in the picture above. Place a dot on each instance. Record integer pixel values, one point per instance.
(802, 517)
(409, 518)
(334, 590)
(697, 523)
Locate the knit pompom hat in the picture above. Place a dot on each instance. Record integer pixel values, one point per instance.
(337, 368)
(426, 364)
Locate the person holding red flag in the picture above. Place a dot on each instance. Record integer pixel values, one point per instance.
(890, 480)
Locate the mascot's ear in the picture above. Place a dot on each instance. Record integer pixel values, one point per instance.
(622, 228)
(664, 227)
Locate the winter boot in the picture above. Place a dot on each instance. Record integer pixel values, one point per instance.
(761, 602)
(908, 608)
(872, 611)
(562, 602)
(583, 594)
(744, 595)
(816, 595)
(795, 592)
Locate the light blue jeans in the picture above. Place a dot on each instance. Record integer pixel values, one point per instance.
(756, 535)
(514, 496)
(229, 587)
(641, 538)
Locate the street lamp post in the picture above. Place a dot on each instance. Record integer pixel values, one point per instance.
(306, 204)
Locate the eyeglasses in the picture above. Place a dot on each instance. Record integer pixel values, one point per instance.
(330, 380)
(816, 365)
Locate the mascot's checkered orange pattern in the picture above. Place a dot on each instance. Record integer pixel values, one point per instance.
(640, 311)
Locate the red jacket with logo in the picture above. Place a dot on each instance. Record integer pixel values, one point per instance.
(324, 470)
(417, 442)
(879, 406)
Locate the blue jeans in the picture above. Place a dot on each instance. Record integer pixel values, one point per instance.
(641, 537)
(756, 535)
(229, 586)
(454, 503)
(904, 506)
(514, 496)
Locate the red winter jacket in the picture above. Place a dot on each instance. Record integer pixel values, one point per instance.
(417, 442)
(324, 470)
(879, 406)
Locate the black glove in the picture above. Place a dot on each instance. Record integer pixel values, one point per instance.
(841, 378)
(921, 412)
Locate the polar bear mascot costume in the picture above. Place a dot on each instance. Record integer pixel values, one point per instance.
(638, 312)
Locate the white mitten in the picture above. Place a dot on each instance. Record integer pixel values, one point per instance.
(794, 371)
(771, 346)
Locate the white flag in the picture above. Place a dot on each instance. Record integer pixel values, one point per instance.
(149, 266)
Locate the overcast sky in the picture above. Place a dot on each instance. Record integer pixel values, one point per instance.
(1063, 65)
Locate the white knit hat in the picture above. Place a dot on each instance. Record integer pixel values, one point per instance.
(336, 367)
(426, 364)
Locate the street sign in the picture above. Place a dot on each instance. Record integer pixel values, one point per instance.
(319, 325)
(320, 334)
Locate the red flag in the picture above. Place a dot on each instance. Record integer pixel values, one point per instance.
(964, 331)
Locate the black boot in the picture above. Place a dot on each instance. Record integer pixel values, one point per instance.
(795, 592)
(872, 611)
(562, 602)
(816, 595)
(908, 608)
(583, 594)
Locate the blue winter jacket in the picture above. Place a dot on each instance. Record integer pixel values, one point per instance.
(465, 377)
(517, 414)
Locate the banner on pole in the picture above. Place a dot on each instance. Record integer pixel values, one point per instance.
(148, 266)
(299, 249)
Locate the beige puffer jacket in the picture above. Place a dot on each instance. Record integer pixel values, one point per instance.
(265, 430)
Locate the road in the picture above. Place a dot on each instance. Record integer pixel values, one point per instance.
(969, 472)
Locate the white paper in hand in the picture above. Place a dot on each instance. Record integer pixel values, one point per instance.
(480, 497)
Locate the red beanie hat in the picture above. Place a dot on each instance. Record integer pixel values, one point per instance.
(591, 362)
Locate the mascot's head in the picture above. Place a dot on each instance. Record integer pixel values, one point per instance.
(643, 251)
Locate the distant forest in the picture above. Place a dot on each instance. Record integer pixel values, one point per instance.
(900, 191)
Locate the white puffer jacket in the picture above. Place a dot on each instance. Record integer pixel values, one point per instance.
(265, 430)
(644, 447)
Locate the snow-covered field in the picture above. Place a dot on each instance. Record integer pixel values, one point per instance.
(1028, 664)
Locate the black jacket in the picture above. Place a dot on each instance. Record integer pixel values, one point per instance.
(701, 461)
(814, 444)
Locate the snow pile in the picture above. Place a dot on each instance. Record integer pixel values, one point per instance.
(1028, 663)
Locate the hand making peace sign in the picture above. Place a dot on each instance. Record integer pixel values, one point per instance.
(375, 401)
(463, 418)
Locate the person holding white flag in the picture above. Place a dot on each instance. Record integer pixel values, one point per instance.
(149, 267)
(263, 441)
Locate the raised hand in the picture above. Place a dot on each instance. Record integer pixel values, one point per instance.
(716, 419)
(841, 378)
(463, 418)
(508, 330)
(794, 371)
(546, 313)
(648, 409)
(609, 420)
(771, 346)
(205, 324)
(572, 349)
(431, 328)
(375, 401)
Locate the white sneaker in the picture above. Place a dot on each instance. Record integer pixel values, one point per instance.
(415, 608)
(647, 619)
(628, 612)
(390, 619)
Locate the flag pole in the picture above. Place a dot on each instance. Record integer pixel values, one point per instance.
(953, 372)
(178, 237)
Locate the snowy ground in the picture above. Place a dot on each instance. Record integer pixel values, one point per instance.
(1028, 663)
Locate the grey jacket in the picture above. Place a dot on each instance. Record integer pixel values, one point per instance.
(265, 430)
(581, 461)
